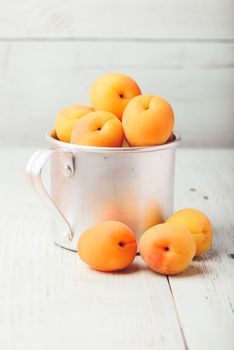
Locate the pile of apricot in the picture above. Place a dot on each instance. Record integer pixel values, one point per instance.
(121, 114)
(119, 111)
(166, 248)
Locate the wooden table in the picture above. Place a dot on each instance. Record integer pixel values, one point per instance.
(50, 300)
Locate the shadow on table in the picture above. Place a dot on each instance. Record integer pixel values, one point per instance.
(197, 268)
(133, 268)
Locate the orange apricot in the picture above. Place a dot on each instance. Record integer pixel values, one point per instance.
(112, 92)
(66, 120)
(148, 121)
(100, 128)
(167, 248)
(198, 224)
(108, 246)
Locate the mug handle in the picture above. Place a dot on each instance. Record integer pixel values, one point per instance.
(34, 169)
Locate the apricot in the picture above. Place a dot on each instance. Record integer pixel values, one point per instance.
(198, 224)
(112, 92)
(67, 118)
(148, 121)
(167, 248)
(108, 246)
(100, 128)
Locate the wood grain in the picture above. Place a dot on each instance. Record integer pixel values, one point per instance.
(40, 78)
(49, 299)
(204, 294)
(154, 19)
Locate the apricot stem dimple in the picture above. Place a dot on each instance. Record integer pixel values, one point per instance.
(166, 249)
(99, 129)
(121, 95)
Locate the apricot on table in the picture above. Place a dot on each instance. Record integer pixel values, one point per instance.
(167, 248)
(148, 121)
(100, 128)
(108, 246)
(112, 92)
(198, 224)
(67, 118)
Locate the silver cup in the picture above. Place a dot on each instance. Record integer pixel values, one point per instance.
(134, 185)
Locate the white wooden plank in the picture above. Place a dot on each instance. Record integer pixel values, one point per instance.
(40, 78)
(49, 299)
(117, 19)
(204, 294)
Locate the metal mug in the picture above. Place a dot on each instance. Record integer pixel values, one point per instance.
(133, 185)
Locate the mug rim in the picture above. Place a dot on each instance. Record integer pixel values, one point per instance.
(72, 147)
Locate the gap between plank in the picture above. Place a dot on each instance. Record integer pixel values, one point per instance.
(177, 315)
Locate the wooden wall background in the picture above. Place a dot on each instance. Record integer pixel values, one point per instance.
(51, 51)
